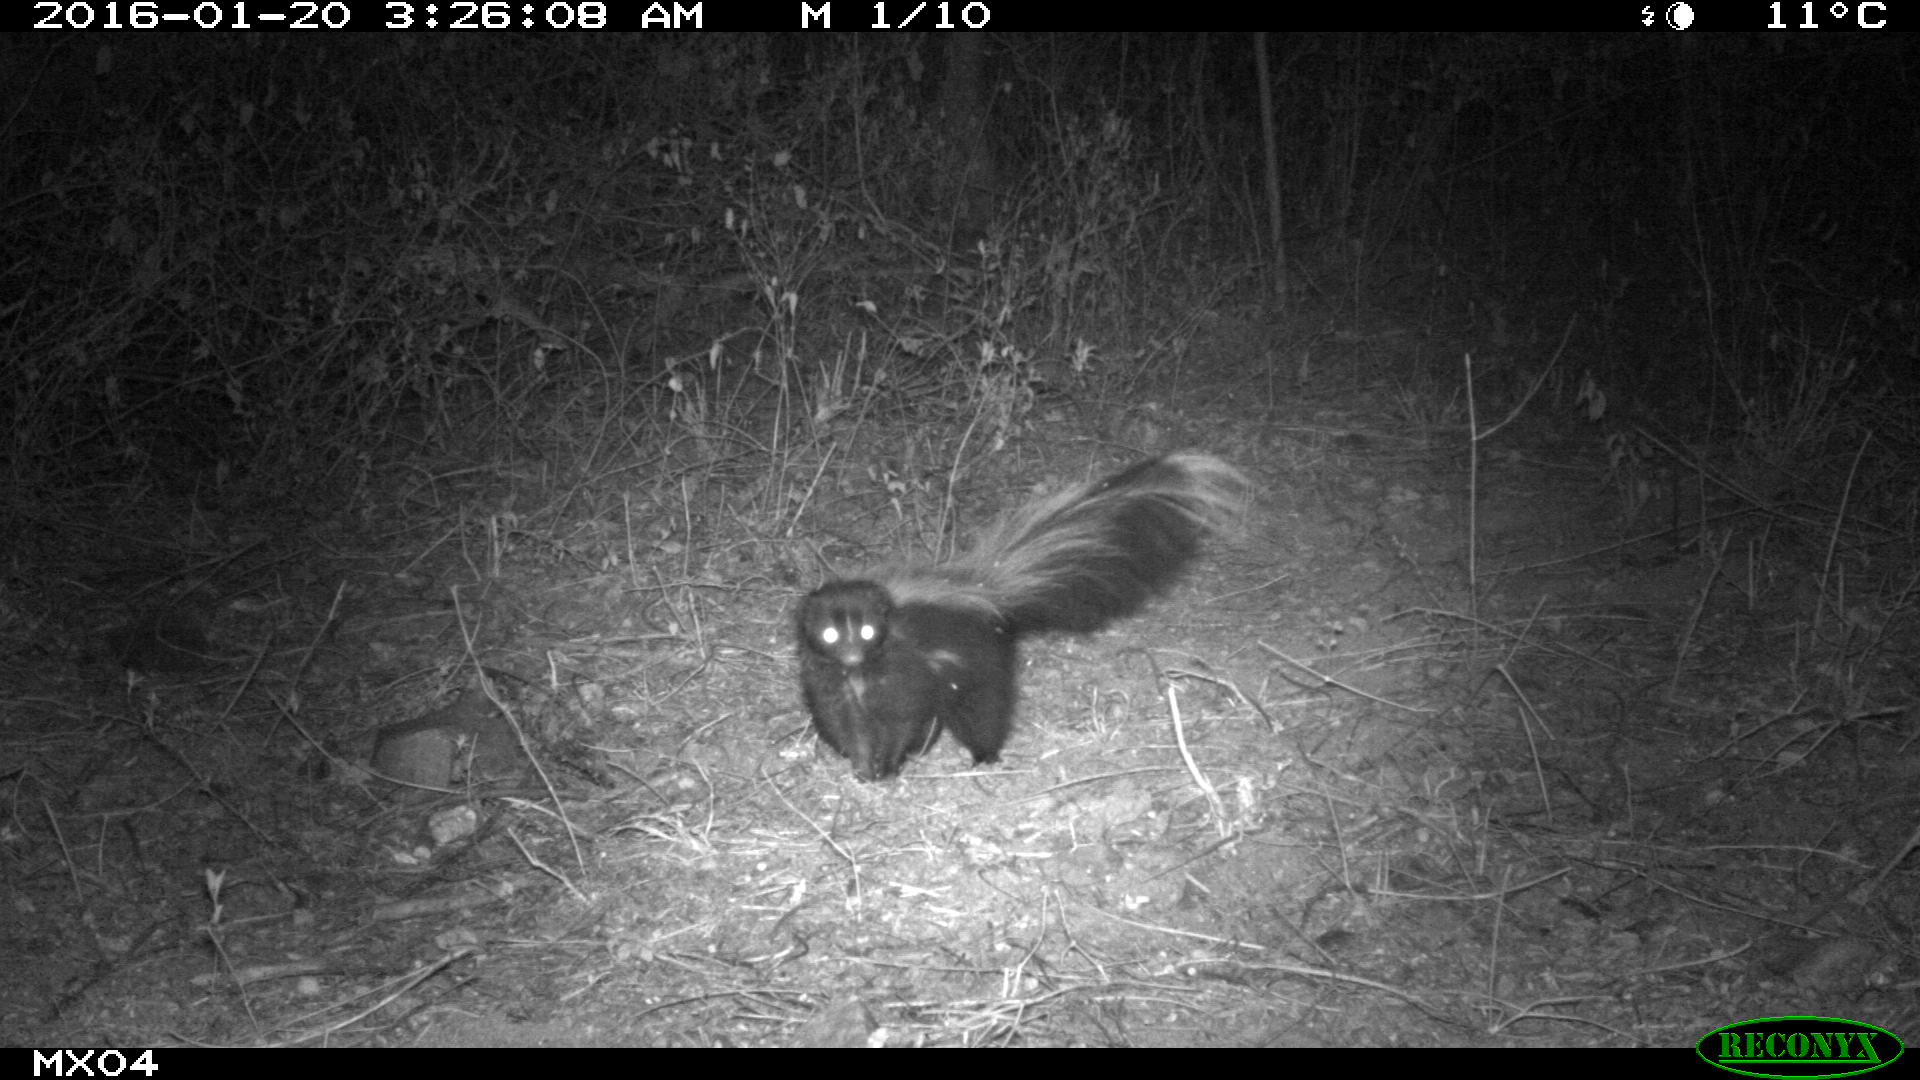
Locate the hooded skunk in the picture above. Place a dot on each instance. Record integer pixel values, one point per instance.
(889, 660)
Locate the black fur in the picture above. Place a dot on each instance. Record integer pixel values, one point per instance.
(890, 660)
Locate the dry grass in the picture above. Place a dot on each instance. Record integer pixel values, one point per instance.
(1534, 708)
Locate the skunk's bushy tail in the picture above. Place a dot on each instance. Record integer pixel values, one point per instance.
(1081, 559)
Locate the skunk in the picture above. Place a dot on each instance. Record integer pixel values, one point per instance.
(889, 660)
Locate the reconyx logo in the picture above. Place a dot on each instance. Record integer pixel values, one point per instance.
(1800, 1047)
